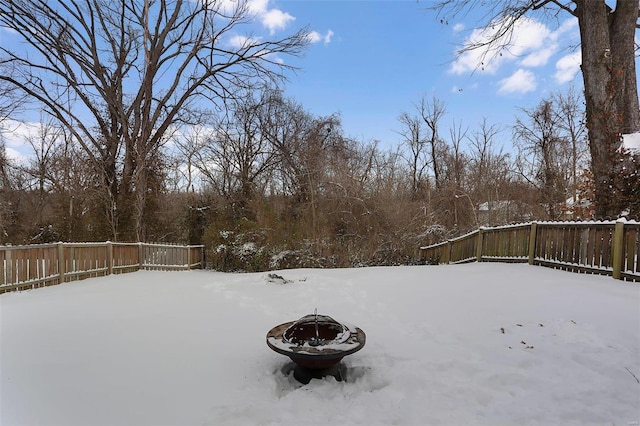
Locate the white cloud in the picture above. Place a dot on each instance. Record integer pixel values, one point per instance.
(567, 67)
(470, 60)
(328, 36)
(528, 36)
(17, 132)
(568, 34)
(15, 135)
(240, 41)
(531, 44)
(568, 27)
(275, 19)
(257, 7)
(458, 27)
(227, 7)
(539, 57)
(271, 18)
(522, 81)
(15, 156)
(315, 37)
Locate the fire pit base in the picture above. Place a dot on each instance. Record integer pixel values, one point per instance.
(304, 375)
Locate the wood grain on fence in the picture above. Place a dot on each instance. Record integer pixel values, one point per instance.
(509, 244)
(36, 266)
(578, 247)
(126, 258)
(435, 254)
(464, 249)
(630, 268)
(84, 260)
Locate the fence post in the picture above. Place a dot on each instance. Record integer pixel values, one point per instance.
(479, 244)
(109, 258)
(61, 262)
(446, 253)
(140, 256)
(618, 246)
(532, 242)
(188, 258)
(9, 262)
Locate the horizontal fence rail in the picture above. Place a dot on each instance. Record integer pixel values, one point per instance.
(608, 248)
(31, 266)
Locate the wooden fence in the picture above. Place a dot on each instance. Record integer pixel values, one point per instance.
(608, 248)
(40, 265)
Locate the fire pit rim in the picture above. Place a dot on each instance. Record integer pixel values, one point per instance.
(316, 356)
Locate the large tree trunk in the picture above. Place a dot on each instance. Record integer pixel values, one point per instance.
(608, 70)
(622, 28)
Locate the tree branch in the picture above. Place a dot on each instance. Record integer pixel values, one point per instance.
(541, 4)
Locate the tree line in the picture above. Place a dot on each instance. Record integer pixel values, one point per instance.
(267, 181)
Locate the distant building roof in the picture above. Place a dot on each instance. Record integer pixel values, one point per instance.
(494, 205)
(632, 142)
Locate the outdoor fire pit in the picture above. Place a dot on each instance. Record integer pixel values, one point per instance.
(316, 344)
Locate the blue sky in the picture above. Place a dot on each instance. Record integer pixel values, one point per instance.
(369, 61)
(377, 59)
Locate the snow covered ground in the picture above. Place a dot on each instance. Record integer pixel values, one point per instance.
(483, 343)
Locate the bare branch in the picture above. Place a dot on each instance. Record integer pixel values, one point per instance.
(498, 21)
(561, 5)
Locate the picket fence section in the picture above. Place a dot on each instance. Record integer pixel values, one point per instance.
(608, 248)
(31, 266)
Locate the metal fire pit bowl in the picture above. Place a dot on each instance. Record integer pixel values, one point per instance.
(316, 344)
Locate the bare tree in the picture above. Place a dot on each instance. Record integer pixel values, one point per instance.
(187, 158)
(283, 123)
(490, 177)
(11, 98)
(5, 190)
(43, 145)
(302, 142)
(544, 155)
(456, 158)
(571, 120)
(236, 158)
(608, 70)
(484, 158)
(414, 139)
(457, 166)
(431, 113)
(122, 75)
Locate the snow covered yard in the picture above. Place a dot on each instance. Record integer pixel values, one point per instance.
(471, 344)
